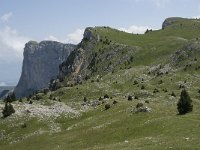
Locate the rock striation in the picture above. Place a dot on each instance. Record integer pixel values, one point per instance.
(40, 65)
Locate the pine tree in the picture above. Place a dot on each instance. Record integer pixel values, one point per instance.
(8, 110)
(185, 103)
(13, 97)
(10, 98)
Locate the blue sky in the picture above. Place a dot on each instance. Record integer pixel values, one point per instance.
(65, 21)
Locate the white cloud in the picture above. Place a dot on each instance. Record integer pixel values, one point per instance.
(135, 29)
(196, 17)
(52, 38)
(73, 38)
(2, 84)
(11, 44)
(6, 17)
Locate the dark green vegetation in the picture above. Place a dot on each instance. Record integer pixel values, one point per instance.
(185, 103)
(125, 72)
(8, 110)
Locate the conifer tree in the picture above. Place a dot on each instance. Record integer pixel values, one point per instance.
(8, 110)
(185, 103)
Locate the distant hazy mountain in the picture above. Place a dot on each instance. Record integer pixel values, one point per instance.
(4, 90)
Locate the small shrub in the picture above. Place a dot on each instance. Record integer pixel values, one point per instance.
(160, 81)
(139, 105)
(130, 98)
(155, 90)
(100, 98)
(23, 125)
(136, 97)
(142, 87)
(181, 86)
(199, 91)
(85, 99)
(135, 82)
(173, 94)
(165, 90)
(107, 106)
(106, 96)
(115, 102)
(147, 101)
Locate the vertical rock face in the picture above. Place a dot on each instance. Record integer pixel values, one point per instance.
(40, 65)
(76, 65)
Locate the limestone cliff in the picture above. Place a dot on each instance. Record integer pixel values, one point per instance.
(40, 65)
(96, 54)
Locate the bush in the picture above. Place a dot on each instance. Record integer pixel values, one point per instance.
(155, 90)
(160, 81)
(142, 87)
(136, 97)
(173, 94)
(185, 103)
(139, 105)
(8, 110)
(85, 99)
(100, 98)
(130, 98)
(106, 96)
(10, 98)
(165, 90)
(115, 102)
(23, 125)
(107, 106)
(135, 82)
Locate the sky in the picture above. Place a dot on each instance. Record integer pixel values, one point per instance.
(65, 21)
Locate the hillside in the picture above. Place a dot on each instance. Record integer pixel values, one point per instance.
(109, 67)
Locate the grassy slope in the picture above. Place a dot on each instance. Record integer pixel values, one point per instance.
(162, 128)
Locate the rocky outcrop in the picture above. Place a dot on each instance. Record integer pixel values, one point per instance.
(75, 67)
(170, 21)
(40, 65)
(89, 58)
(188, 54)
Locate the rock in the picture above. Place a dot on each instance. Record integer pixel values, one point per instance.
(142, 109)
(159, 70)
(88, 35)
(170, 21)
(187, 55)
(83, 61)
(40, 65)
